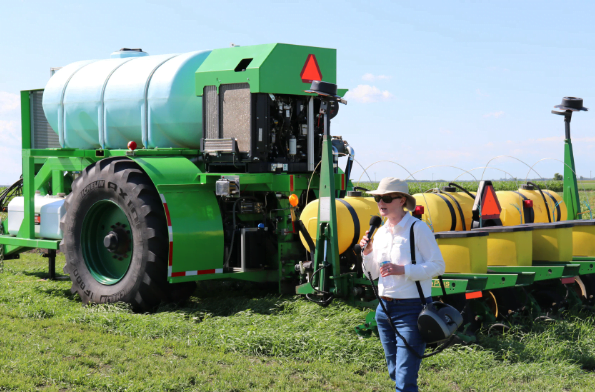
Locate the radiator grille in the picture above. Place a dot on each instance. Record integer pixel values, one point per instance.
(211, 108)
(235, 106)
(42, 134)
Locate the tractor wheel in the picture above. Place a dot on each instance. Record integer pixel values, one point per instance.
(115, 236)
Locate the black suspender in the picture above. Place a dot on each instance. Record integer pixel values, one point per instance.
(412, 245)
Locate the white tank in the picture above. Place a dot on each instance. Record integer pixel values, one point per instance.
(50, 215)
(48, 212)
(107, 103)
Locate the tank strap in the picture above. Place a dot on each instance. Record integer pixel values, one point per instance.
(556, 204)
(528, 213)
(460, 210)
(356, 225)
(453, 215)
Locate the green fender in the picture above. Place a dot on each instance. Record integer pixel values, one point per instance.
(194, 218)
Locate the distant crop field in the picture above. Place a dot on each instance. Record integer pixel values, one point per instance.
(420, 187)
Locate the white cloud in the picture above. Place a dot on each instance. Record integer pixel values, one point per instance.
(481, 94)
(365, 93)
(495, 114)
(9, 102)
(10, 133)
(371, 77)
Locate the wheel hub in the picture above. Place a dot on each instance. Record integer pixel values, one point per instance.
(107, 242)
(117, 241)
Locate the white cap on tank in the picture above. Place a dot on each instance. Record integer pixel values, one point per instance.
(127, 52)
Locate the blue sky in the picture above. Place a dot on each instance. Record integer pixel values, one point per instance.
(432, 83)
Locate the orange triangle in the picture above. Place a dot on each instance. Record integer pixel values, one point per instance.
(311, 70)
(490, 205)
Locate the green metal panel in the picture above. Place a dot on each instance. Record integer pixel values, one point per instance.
(29, 243)
(587, 264)
(275, 68)
(25, 120)
(490, 281)
(542, 272)
(451, 286)
(196, 225)
(568, 269)
(570, 195)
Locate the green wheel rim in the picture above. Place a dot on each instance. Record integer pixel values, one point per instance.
(107, 265)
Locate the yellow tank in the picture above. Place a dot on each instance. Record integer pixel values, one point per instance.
(512, 206)
(583, 238)
(552, 241)
(510, 246)
(464, 252)
(442, 213)
(353, 218)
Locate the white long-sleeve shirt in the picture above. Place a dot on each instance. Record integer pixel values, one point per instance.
(395, 247)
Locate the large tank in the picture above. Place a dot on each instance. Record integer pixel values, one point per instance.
(512, 206)
(353, 218)
(442, 211)
(107, 103)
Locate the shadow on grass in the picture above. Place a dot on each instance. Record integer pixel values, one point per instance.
(226, 298)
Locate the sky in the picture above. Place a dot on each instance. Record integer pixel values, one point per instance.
(446, 85)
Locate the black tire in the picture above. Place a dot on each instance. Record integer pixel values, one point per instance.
(121, 181)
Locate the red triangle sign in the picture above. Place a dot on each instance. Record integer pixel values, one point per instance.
(490, 208)
(311, 70)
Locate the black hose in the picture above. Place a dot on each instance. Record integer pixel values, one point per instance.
(323, 302)
(458, 207)
(547, 207)
(461, 188)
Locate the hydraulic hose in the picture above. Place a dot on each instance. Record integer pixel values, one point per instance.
(547, 207)
(348, 168)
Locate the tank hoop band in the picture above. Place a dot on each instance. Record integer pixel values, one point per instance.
(528, 213)
(101, 125)
(356, 226)
(453, 215)
(460, 210)
(62, 116)
(145, 114)
(556, 204)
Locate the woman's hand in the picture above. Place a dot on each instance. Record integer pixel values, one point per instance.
(364, 241)
(392, 269)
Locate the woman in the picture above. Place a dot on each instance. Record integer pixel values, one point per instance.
(396, 287)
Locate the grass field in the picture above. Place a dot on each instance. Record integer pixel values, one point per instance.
(231, 337)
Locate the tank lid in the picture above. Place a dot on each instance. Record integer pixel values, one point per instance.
(449, 189)
(505, 229)
(527, 187)
(584, 222)
(127, 52)
(460, 234)
(354, 194)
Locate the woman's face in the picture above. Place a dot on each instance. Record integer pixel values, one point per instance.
(392, 209)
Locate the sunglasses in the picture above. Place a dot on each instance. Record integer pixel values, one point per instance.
(385, 198)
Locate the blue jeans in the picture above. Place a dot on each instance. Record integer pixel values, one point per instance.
(403, 366)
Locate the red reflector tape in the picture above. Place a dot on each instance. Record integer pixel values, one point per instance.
(291, 183)
(342, 182)
(567, 280)
(475, 294)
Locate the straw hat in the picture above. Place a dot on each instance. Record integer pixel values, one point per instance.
(394, 185)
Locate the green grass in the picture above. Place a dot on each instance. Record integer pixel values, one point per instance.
(232, 337)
